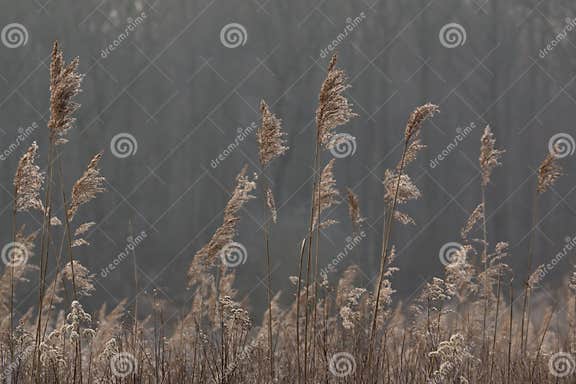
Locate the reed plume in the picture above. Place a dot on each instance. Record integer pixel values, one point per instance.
(403, 183)
(489, 155)
(65, 84)
(417, 118)
(489, 159)
(328, 195)
(400, 189)
(271, 144)
(208, 255)
(441, 338)
(84, 280)
(549, 172)
(475, 218)
(271, 138)
(28, 182)
(333, 109)
(453, 355)
(86, 187)
(81, 230)
(271, 204)
(354, 210)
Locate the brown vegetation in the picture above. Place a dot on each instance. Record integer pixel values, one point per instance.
(468, 327)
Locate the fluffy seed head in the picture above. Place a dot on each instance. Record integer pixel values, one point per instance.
(328, 195)
(416, 119)
(474, 219)
(28, 182)
(65, 84)
(333, 107)
(354, 210)
(207, 256)
(271, 204)
(87, 187)
(548, 173)
(271, 139)
(489, 155)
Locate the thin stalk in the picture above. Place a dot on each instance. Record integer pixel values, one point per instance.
(68, 231)
(498, 287)
(542, 342)
(485, 263)
(316, 185)
(387, 230)
(136, 289)
(14, 212)
(302, 248)
(510, 330)
(71, 258)
(51, 295)
(44, 253)
(316, 276)
(268, 218)
(525, 315)
(574, 322)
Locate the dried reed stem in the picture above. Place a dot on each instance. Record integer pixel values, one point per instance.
(412, 130)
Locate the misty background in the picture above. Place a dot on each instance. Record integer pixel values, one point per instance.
(182, 94)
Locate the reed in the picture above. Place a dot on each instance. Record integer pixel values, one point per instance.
(335, 330)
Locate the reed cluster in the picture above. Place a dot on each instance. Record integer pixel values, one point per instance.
(467, 326)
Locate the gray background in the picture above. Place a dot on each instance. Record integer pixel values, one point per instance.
(182, 94)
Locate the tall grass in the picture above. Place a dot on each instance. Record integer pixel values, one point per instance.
(462, 327)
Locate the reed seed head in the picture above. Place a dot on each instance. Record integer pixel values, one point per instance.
(354, 210)
(489, 155)
(548, 173)
(28, 182)
(417, 118)
(271, 139)
(207, 255)
(65, 84)
(87, 187)
(328, 195)
(333, 109)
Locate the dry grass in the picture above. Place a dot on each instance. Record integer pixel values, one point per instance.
(465, 327)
